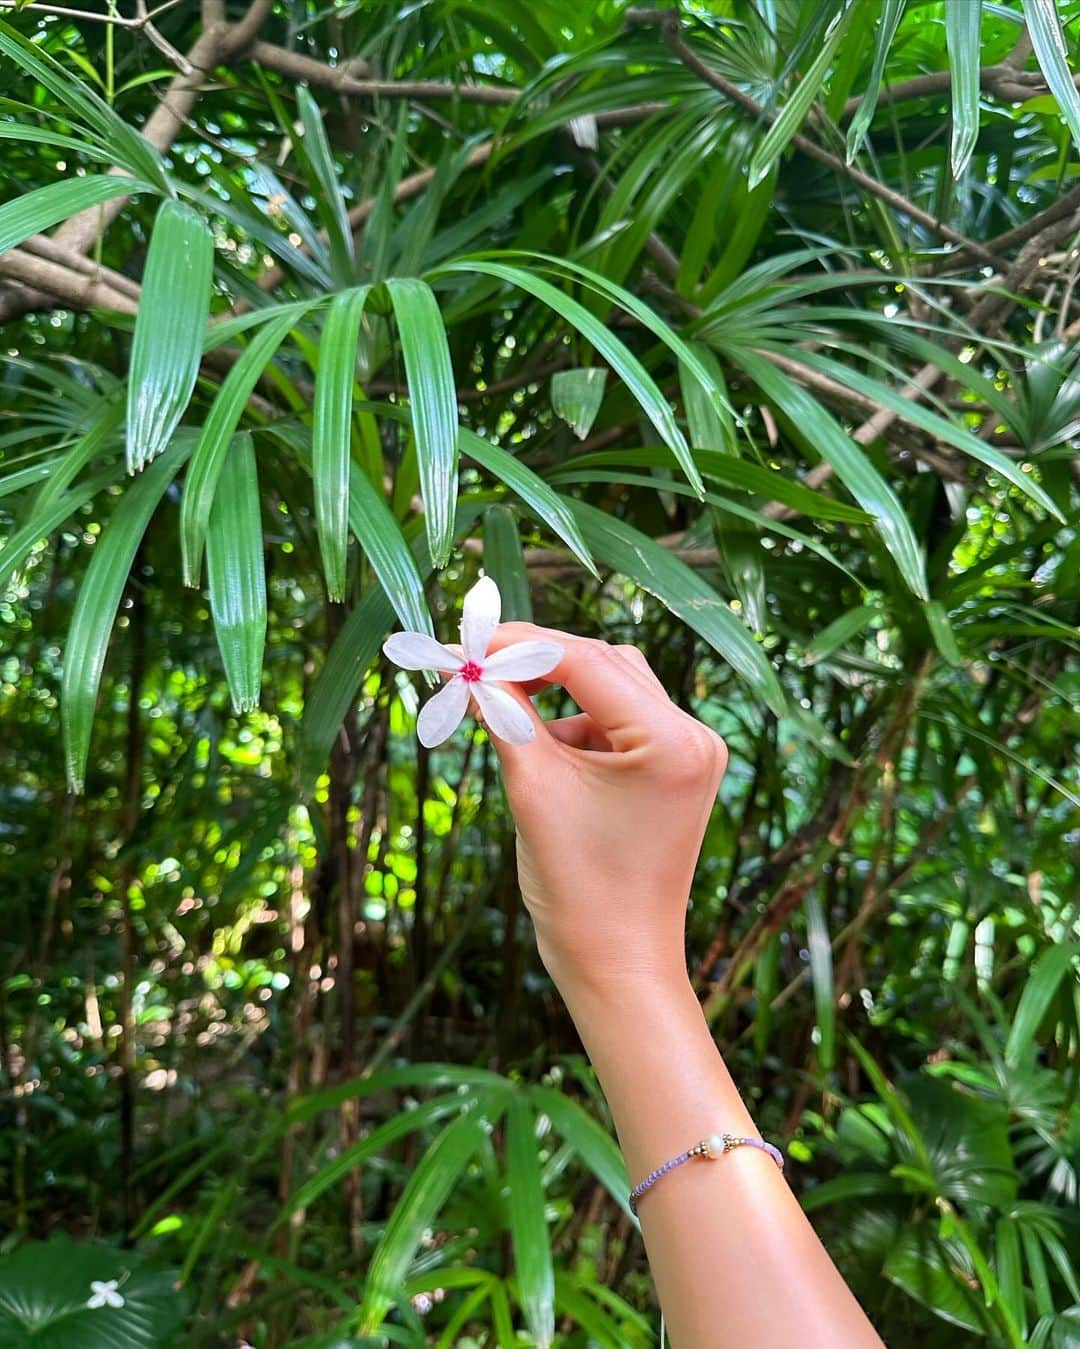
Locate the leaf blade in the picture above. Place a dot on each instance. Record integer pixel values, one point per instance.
(528, 1225)
(236, 572)
(331, 455)
(167, 346)
(433, 400)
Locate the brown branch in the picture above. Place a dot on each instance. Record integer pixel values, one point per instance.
(1004, 81)
(60, 283)
(346, 81)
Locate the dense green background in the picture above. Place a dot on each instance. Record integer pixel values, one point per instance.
(754, 328)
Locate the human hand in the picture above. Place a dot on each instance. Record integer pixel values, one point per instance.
(611, 807)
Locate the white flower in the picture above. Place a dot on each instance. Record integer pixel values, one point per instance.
(103, 1293)
(474, 674)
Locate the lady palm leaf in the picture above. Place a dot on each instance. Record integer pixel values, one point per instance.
(852, 466)
(97, 604)
(45, 206)
(1048, 39)
(169, 329)
(237, 573)
(331, 441)
(433, 399)
(963, 24)
(209, 454)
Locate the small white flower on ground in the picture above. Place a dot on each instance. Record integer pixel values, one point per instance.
(103, 1293)
(474, 673)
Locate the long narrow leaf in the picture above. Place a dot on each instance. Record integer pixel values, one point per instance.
(46, 206)
(778, 137)
(126, 146)
(209, 453)
(1039, 992)
(596, 1148)
(432, 1179)
(887, 24)
(96, 606)
(950, 432)
(528, 1226)
(328, 199)
(167, 346)
(1048, 39)
(963, 23)
(547, 505)
(653, 568)
(821, 975)
(236, 571)
(433, 398)
(331, 441)
(504, 562)
(852, 466)
(625, 364)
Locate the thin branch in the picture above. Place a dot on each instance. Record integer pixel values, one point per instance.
(76, 291)
(345, 80)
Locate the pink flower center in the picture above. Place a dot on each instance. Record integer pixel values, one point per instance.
(471, 672)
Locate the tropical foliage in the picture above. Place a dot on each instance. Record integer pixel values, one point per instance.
(745, 333)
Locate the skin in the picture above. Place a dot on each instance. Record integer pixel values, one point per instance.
(611, 807)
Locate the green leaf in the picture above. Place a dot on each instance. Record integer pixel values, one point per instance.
(711, 424)
(237, 573)
(397, 1126)
(854, 1185)
(209, 454)
(725, 468)
(806, 89)
(576, 396)
(97, 604)
(350, 657)
(941, 427)
(378, 534)
(45, 1288)
(963, 25)
(504, 562)
(852, 466)
(433, 399)
(33, 212)
(887, 23)
(331, 440)
(821, 976)
(548, 506)
(840, 631)
(652, 567)
(1008, 1269)
(325, 188)
(528, 1225)
(935, 1276)
(428, 1186)
(1039, 992)
(169, 329)
(596, 1148)
(626, 365)
(937, 618)
(1048, 39)
(124, 143)
(42, 522)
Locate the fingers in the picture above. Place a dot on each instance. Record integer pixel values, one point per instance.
(616, 688)
(580, 732)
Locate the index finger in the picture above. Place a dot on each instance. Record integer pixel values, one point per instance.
(612, 690)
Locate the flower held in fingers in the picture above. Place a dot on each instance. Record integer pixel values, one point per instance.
(474, 673)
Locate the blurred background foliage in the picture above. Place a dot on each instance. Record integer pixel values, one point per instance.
(745, 333)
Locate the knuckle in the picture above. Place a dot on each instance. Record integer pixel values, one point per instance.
(691, 752)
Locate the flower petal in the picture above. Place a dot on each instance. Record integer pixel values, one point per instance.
(480, 617)
(418, 651)
(441, 715)
(523, 660)
(503, 714)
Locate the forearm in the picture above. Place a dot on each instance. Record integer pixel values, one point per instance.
(729, 1228)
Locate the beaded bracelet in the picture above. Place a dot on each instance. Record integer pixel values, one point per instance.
(716, 1145)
